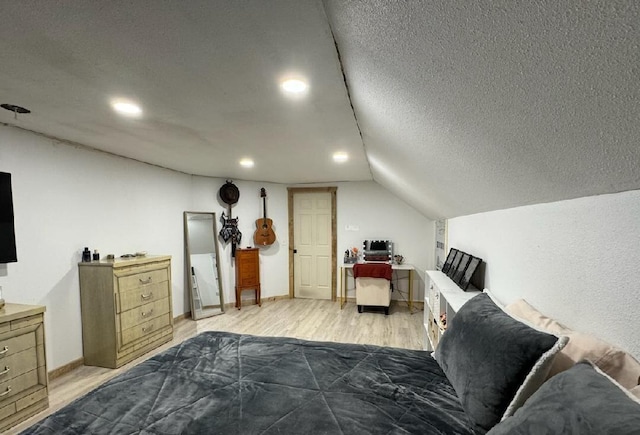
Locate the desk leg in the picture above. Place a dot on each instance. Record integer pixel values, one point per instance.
(411, 291)
(342, 285)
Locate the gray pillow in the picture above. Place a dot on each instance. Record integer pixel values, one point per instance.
(494, 361)
(580, 401)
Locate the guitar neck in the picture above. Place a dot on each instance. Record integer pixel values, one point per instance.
(264, 209)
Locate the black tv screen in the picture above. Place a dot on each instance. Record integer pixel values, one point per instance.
(7, 228)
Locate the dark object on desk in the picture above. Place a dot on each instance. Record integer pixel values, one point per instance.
(372, 270)
(447, 264)
(208, 384)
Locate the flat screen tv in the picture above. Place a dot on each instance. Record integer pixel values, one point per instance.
(7, 228)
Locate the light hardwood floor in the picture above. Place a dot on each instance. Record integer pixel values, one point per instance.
(300, 318)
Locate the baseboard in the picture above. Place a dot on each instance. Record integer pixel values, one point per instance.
(63, 370)
(182, 317)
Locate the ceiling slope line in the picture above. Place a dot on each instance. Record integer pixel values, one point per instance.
(346, 86)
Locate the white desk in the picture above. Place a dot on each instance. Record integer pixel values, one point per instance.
(395, 267)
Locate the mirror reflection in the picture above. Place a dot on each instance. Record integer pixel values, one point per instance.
(203, 270)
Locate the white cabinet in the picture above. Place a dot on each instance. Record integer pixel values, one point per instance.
(442, 299)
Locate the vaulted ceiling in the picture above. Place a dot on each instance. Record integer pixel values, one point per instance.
(457, 107)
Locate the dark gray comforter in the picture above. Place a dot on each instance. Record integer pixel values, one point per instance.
(227, 383)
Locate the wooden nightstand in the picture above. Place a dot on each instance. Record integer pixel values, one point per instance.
(247, 273)
(23, 365)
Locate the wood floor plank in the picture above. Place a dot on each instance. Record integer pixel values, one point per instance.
(308, 319)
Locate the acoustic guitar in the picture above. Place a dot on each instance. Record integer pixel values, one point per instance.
(264, 234)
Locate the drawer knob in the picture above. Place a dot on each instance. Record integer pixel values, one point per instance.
(145, 281)
(5, 350)
(6, 392)
(5, 371)
(147, 328)
(148, 313)
(147, 296)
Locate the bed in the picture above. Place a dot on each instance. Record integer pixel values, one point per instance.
(226, 383)
(489, 375)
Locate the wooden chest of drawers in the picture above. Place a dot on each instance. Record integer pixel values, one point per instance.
(126, 308)
(23, 365)
(247, 273)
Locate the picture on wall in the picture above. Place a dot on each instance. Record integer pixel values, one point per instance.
(468, 273)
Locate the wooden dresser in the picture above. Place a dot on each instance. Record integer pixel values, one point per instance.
(247, 273)
(23, 365)
(126, 308)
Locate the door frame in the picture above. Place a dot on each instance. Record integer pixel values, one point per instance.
(291, 191)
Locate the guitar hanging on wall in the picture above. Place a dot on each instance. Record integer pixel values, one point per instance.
(264, 234)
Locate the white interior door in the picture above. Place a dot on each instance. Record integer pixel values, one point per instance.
(312, 242)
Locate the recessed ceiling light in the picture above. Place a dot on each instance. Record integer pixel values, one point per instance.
(246, 163)
(294, 86)
(126, 108)
(340, 157)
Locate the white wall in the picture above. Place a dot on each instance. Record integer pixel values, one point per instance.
(68, 197)
(373, 209)
(379, 215)
(577, 261)
(274, 260)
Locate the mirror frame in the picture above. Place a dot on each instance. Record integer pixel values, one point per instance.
(187, 251)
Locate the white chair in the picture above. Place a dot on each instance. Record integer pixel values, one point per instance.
(374, 292)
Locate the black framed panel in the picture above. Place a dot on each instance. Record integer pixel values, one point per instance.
(468, 273)
(459, 272)
(447, 264)
(454, 263)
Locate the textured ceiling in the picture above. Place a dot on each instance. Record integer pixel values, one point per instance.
(207, 74)
(467, 107)
(463, 107)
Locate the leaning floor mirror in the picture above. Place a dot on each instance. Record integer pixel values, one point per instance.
(203, 270)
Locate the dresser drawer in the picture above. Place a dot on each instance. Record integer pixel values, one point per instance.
(141, 296)
(18, 384)
(143, 313)
(140, 331)
(142, 279)
(248, 279)
(14, 345)
(18, 363)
